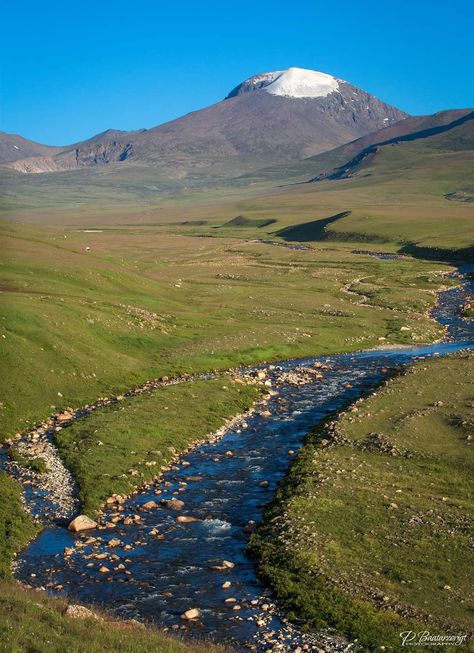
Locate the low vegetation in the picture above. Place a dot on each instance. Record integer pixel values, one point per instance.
(101, 451)
(116, 284)
(370, 531)
(124, 445)
(16, 527)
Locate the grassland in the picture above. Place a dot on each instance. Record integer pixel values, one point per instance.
(16, 527)
(142, 434)
(371, 533)
(147, 301)
(399, 195)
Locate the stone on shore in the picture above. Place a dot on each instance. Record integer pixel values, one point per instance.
(80, 612)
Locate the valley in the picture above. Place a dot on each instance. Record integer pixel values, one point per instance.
(208, 331)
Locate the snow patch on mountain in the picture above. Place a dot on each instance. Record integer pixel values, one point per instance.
(301, 83)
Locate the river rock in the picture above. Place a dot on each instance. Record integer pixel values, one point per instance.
(226, 564)
(149, 505)
(64, 417)
(173, 504)
(114, 542)
(184, 519)
(193, 613)
(82, 523)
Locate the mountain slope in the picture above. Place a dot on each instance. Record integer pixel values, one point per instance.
(457, 135)
(324, 164)
(299, 114)
(14, 147)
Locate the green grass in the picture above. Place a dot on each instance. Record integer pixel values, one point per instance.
(33, 622)
(16, 527)
(153, 301)
(102, 449)
(152, 298)
(374, 543)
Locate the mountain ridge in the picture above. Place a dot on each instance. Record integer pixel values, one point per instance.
(244, 130)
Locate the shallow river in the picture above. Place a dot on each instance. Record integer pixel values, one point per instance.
(168, 576)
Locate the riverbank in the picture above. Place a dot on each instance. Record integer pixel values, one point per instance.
(101, 452)
(369, 531)
(33, 621)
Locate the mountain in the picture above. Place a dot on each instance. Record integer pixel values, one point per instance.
(282, 115)
(14, 148)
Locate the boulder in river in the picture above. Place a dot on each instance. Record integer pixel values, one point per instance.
(149, 505)
(82, 523)
(183, 519)
(226, 564)
(193, 613)
(173, 504)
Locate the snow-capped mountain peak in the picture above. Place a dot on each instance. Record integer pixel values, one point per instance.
(299, 83)
(292, 83)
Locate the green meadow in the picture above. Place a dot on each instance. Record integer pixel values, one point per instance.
(32, 621)
(86, 315)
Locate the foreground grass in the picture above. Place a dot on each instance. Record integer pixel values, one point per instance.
(124, 445)
(371, 534)
(33, 622)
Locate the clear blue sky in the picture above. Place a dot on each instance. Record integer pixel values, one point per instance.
(73, 68)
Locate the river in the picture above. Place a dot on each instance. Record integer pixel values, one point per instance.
(158, 578)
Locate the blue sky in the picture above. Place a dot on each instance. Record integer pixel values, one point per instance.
(71, 69)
